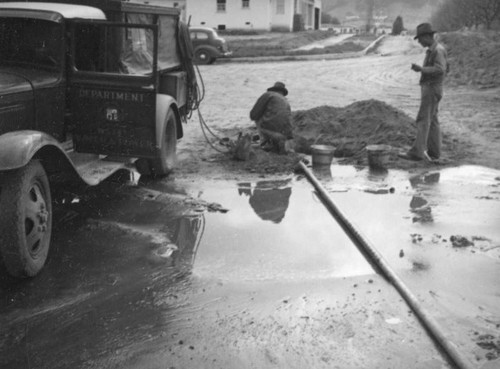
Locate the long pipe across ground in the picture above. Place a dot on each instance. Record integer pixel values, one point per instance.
(376, 258)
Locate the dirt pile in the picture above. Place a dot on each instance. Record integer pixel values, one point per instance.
(350, 129)
(474, 58)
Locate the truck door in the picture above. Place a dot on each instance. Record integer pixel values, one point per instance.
(113, 86)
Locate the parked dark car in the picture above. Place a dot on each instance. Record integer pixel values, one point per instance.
(207, 45)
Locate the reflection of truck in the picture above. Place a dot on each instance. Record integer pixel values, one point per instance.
(85, 90)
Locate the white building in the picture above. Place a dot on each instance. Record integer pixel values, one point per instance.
(179, 4)
(263, 15)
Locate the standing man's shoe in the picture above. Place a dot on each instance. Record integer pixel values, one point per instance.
(429, 159)
(407, 156)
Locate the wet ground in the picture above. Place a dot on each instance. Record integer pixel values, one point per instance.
(257, 274)
(437, 230)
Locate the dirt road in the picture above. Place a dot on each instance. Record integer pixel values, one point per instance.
(327, 42)
(468, 116)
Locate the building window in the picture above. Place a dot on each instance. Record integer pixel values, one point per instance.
(280, 6)
(245, 4)
(221, 5)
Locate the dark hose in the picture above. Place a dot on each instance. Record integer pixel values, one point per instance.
(429, 323)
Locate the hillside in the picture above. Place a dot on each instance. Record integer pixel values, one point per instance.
(412, 11)
(474, 58)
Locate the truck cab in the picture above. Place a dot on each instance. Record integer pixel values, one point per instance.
(86, 88)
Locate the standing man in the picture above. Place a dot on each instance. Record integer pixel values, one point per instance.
(273, 116)
(427, 144)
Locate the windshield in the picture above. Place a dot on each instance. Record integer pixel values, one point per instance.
(30, 41)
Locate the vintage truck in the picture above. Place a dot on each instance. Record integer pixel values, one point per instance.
(87, 88)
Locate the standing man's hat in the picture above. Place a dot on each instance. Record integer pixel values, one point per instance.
(279, 87)
(424, 29)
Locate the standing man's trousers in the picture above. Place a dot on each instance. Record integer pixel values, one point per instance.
(428, 131)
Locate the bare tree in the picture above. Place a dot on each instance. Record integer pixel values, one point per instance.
(448, 17)
(465, 13)
(370, 6)
(366, 7)
(456, 14)
(488, 11)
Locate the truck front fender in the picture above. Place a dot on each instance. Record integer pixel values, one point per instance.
(163, 103)
(18, 148)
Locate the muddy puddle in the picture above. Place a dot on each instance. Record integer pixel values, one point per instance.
(258, 274)
(457, 208)
(439, 231)
(274, 230)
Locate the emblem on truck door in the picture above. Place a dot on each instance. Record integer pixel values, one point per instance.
(112, 114)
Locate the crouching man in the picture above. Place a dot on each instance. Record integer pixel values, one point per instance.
(272, 115)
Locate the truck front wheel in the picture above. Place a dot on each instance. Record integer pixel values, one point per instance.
(165, 162)
(25, 219)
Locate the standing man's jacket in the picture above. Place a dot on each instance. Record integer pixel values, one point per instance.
(435, 65)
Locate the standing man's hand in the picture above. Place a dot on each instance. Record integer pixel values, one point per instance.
(416, 67)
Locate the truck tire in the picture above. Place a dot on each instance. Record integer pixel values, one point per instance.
(164, 164)
(202, 56)
(25, 219)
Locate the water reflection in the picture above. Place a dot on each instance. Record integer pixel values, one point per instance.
(268, 199)
(426, 178)
(273, 234)
(377, 174)
(421, 210)
(419, 206)
(188, 234)
(323, 173)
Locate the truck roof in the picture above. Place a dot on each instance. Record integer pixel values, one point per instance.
(57, 10)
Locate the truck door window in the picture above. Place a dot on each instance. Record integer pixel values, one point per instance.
(168, 54)
(117, 49)
(168, 50)
(137, 54)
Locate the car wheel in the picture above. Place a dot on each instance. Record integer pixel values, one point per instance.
(202, 56)
(212, 60)
(25, 219)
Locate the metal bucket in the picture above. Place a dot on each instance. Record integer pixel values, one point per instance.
(322, 154)
(378, 155)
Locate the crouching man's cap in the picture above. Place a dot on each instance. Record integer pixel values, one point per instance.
(279, 87)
